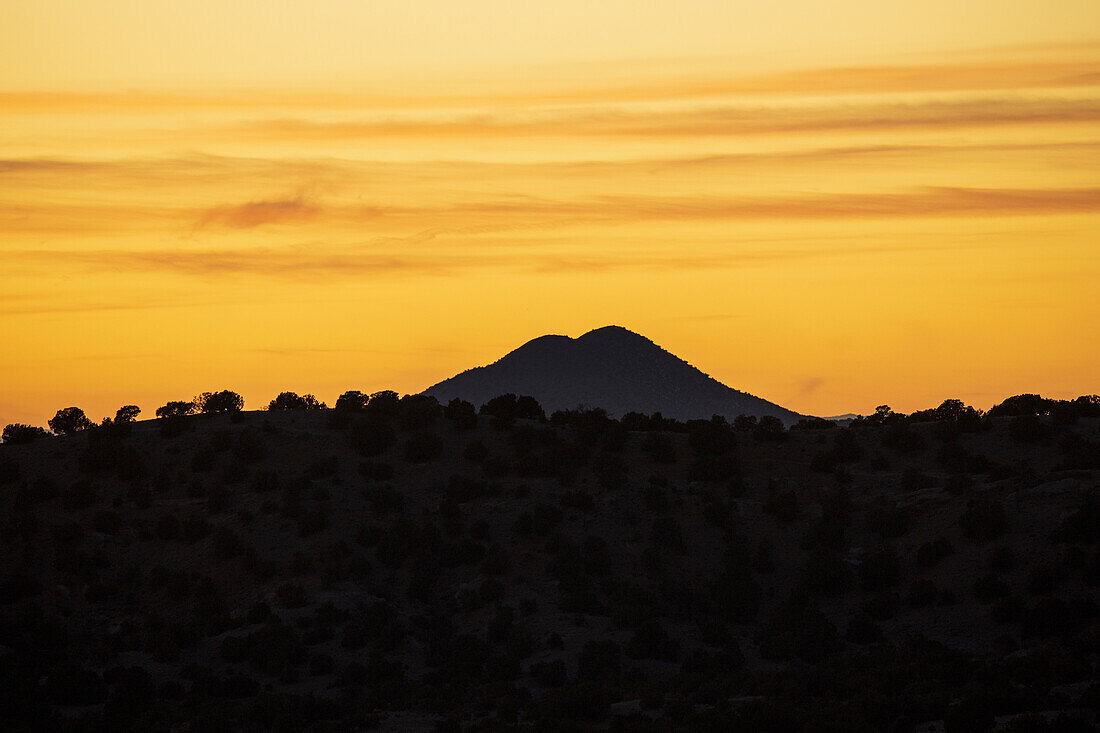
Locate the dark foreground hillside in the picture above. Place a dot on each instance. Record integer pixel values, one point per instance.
(415, 568)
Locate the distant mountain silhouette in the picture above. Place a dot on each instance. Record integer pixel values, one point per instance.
(612, 368)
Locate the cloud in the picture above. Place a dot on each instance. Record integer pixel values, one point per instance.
(472, 218)
(808, 387)
(931, 201)
(256, 213)
(316, 265)
(710, 121)
(645, 80)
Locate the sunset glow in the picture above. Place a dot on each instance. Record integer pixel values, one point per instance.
(828, 209)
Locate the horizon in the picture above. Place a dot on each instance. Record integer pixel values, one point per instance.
(828, 207)
(327, 403)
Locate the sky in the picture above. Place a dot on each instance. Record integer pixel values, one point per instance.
(829, 205)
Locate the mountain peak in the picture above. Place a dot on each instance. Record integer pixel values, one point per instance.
(612, 330)
(610, 367)
(614, 334)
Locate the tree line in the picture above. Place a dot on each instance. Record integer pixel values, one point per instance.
(1026, 409)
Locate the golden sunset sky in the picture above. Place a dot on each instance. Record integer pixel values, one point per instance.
(831, 205)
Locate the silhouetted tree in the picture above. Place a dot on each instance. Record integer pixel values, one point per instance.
(954, 413)
(417, 412)
(528, 408)
(1022, 404)
(353, 401)
(461, 413)
(70, 420)
(744, 423)
(16, 433)
(712, 437)
(127, 413)
(214, 402)
(177, 408)
(383, 405)
(769, 428)
(292, 401)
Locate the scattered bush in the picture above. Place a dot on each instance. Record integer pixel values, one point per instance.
(423, 447)
(462, 413)
(292, 401)
(216, 402)
(69, 420)
(984, 520)
(17, 433)
(178, 408)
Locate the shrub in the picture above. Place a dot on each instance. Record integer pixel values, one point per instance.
(508, 407)
(69, 420)
(215, 402)
(544, 517)
(1027, 429)
(227, 544)
(375, 470)
(81, 495)
(127, 413)
(417, 412)
(168, 528)
(17, 433)
(549, 674)
(580, 500)
(106, 522)
(250, 445)
(475, 451)
(462, 413)
(371, 436)
(195, 527)
(770, 429)
(352, 401)
(423, 447)
(659, 447)
(922, 592)
(713, 468)
(292, 595)
(783, 506)
(1080, 526)
(383, 405)
(984, 520)
(69, 683)
(651, 641)
(736, 595)
(599, 661)
(888, 522)
(931, 553)
(862, 629)
(178, 408)
(826, 574)
(41, 490)
(798, 628)
(880, 570)
(292, 401)
(914, 479)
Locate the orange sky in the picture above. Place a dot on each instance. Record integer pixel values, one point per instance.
(829, 205)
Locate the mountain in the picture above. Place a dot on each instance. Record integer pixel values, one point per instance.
(612, 368)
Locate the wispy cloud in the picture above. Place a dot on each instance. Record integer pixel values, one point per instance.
(256, 213)
(648, 81)
(320, 265)
(722, 120)
(525, 212)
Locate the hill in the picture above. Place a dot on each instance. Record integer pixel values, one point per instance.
(611, 368)
(420, 568)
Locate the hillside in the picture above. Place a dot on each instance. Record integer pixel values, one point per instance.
(611, 368)
(421, 568)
